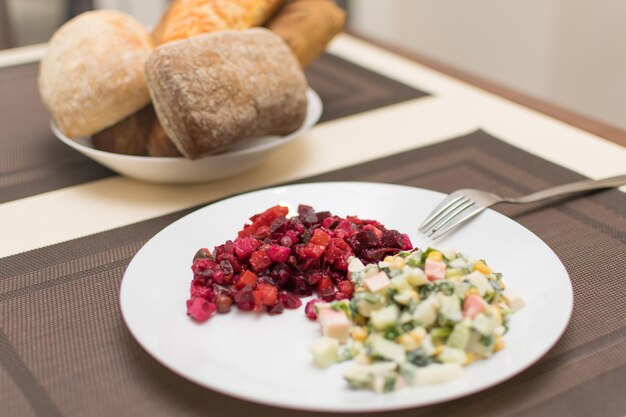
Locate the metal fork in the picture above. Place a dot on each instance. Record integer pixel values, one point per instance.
(462, 205)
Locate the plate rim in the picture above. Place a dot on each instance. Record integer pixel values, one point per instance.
(368, 408)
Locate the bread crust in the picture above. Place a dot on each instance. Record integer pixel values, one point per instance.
(186, 18)
(92, 75)
(213, 90)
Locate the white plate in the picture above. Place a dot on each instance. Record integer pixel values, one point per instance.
(240, 158)
(265, 358)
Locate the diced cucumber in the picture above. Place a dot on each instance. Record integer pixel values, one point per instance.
(381, 347)
(385, 317)
(450, 308)
(459, 338)
(324, 351)
(452, 355)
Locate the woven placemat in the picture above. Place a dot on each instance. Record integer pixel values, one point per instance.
(65, 351)
(33, 161)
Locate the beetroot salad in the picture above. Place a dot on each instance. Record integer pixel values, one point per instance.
(276, 259)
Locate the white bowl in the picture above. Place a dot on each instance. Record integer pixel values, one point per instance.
(240, 158)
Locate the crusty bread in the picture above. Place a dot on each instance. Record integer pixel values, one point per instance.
(129, 136)
(92, 75)
(187, 18)
(307, 26)
(212, 90)
(158, 142)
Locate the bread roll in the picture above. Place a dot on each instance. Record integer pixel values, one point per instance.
(213, 90)
(158, 142)
(129, 136)
(187, 18)
(92, 75)
(307, 26)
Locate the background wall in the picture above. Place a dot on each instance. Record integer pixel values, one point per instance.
(571, 52)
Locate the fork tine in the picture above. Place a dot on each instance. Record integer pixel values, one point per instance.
(443, 206)
(459, 221)
(451, 215)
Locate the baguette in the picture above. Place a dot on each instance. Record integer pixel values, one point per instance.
(187, 18)
(308, 26)
(213, 90)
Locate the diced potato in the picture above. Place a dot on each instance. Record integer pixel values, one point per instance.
(514, 301)
(484, 324)
(479, 281)
(452, 355)
(355, 265)
(385, 317)
(435, 373)
(415, 276)
(426, 312)
(386, 349)
(324, 351)
(450, 308)
(400, 283)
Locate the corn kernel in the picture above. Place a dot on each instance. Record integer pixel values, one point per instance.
(407, 342)
(360, 320)
(397, 263)
(414, 295)
(435, 256)
(358, 333)
(503, 285)
(473, 291)
(438, 350)
(482, 268)
(469, 358)
(418, 335)
(359, 289)
(388, 259)
(498, 344)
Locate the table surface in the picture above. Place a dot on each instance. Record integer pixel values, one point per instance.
(433, 131)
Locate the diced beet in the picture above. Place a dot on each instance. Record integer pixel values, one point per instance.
(281, 274)
(371, 227)
(341, 296)
(325, 288)
(200, 309)
(372, 255)
(228, 271)
(278, 253)
(201, 291)
(260, 261)
(392, 239)
(346, 287)
(289, 300)
(244, 298)
(368, 239)
(277, 308)
(277, 224)
(262, 232)
(300, 286)
(203, 266)
(309, 309)
(406, 242)
(244, 247)
(354, 243)
(328, 221)
(315, 277)
(307, 214)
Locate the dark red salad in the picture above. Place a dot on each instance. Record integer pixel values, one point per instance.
(277, 259)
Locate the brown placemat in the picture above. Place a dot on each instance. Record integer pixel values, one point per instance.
(33, 161)
(65, 351)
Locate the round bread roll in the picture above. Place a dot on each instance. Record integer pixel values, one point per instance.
(92, 75)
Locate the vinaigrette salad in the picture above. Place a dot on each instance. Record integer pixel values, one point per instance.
(416, 318)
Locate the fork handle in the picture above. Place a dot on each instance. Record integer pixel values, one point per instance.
(574, 187)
